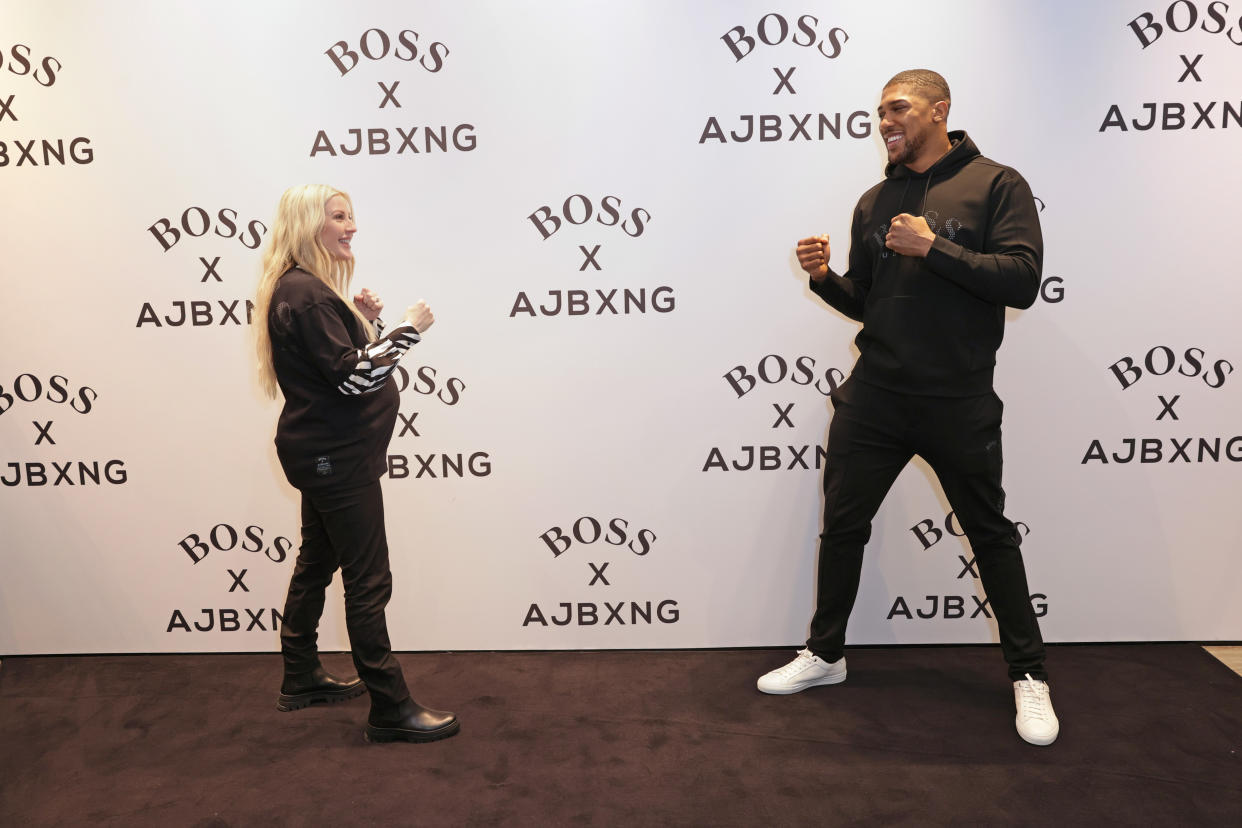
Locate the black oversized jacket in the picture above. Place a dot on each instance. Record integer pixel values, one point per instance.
(340, 408)
(932, 326)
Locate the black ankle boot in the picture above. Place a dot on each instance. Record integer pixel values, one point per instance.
(317, 686)
(412, 723)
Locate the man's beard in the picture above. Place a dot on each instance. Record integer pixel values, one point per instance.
(913, 145)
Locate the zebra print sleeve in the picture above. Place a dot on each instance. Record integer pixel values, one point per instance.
(376, 361)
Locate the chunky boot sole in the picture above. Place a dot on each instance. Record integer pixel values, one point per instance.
(397, 734)
(296, 701)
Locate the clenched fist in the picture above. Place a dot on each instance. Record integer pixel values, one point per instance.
(909, 235)
(369, 304)
(813, 254)
(419, 315)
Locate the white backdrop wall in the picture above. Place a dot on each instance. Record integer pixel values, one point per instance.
(567, 471)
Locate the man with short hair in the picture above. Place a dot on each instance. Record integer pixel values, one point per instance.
(938, 250)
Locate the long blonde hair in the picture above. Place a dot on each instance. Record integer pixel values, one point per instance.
(294, 242)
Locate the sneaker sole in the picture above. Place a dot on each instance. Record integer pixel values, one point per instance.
(394, 734)
(789, 690)
(1043, 741)
(288, 702)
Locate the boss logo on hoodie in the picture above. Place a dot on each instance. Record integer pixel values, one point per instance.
(949, 229)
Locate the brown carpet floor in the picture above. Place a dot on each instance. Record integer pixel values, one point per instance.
(1151, 735)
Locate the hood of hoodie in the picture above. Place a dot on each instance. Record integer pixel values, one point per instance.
(961, 150)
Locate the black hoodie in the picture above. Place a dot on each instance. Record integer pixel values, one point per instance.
(340, 408)
(931, 326)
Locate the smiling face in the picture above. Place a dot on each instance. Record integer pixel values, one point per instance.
(338, 228)
(913, 127)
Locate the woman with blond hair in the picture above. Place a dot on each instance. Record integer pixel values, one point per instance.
(331, 359)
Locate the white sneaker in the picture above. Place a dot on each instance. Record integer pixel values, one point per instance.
(807, 670)
(1036, 721)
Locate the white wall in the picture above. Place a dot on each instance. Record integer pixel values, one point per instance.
(606, 416)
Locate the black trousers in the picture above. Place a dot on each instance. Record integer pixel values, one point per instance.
(345, 530)
(874, 434)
